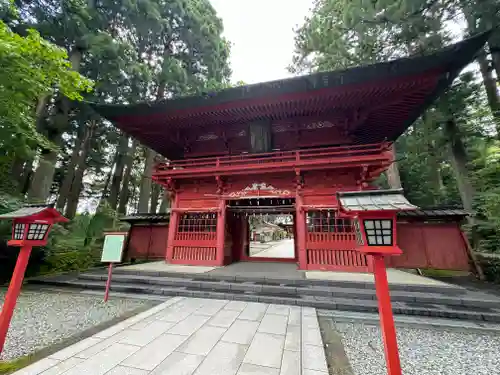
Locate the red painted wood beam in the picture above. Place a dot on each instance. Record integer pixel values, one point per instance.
(326, 164)
(195, 210)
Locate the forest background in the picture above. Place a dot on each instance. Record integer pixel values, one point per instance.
(57, 55)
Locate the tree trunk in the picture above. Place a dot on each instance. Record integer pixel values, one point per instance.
(70, 173)
(458, 159)
(125, 192)
(44, 174)
(155, 196)
(74, 194)
(433, 164)
(81, 166)
(43, 177)
(489, 83)
(104, 195)
(165, 203)
(392, 173)
(16, 171)
(145, 190)
(27, 176)
(490, 88)
(121, 153)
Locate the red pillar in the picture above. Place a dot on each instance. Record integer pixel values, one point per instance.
(172, 229)
(300, 223)
(294, 233)
(221, 232)
(386, 317)
(13, 292)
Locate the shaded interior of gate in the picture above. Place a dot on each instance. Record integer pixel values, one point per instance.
(240, 213)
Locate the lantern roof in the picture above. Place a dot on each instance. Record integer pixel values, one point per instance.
(35, 212)
(374, 200)
(373, 102)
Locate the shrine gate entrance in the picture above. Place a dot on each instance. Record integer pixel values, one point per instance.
(251, 227)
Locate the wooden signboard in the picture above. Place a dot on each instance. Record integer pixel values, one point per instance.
(112, 251)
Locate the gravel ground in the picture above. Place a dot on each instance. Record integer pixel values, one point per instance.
(45, 318)
(422, 351)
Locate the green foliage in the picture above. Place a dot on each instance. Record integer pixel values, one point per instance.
(64, 259)
(345, 33)
(8, 367)
(491, 268)
(30, 68)
(73, 247)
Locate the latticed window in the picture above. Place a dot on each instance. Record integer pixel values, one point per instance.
(328, 221)
(19, 231)
(199, 222)
(37, 231)
(378, 232)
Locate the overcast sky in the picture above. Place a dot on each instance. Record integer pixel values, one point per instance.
(262, 37)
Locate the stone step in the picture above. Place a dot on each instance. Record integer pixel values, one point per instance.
(477, 313)
(286, 290)
(447, 289)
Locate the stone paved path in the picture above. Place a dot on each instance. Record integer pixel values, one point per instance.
(185, 336)
(279, 249)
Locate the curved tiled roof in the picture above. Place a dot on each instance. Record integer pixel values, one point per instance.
(379, 102)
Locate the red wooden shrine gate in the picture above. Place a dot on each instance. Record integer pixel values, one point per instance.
(431, 239)
(306, 137)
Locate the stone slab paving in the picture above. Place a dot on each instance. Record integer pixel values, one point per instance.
(189, 336)
(277, 249)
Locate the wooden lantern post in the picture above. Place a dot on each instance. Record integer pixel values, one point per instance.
(374, 218)
(31, 226)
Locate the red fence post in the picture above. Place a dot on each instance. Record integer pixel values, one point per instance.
(386, 316)
(172, 228)
(13, 292)
(221, 232)
(301, 232)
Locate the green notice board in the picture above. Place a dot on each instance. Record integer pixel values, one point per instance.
(112, 250)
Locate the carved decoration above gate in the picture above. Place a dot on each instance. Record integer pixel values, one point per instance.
(259, 189)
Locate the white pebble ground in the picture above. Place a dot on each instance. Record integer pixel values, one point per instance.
(422, 351)
(45, 318)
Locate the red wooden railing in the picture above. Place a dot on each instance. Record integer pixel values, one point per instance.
(342, 241)
(337, 260)
(195, 236)
(190, 253)
(331, 243)
(281, 158)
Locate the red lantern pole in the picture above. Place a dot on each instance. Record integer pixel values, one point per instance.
(386, 317)
(13, 292)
